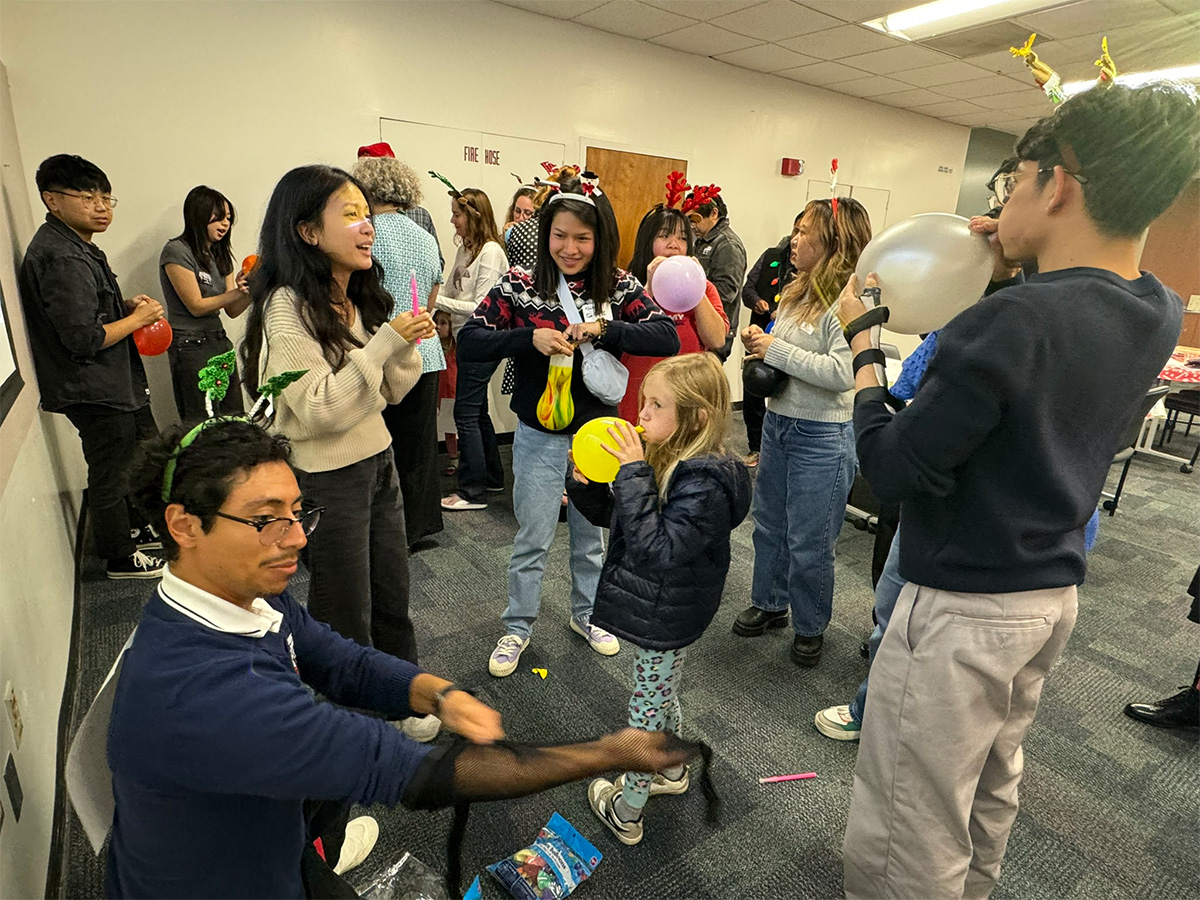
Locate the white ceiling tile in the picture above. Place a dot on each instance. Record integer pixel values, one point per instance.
(1157, 46)
(702, 9)
(860, 10)
(632, 19)
(1183, 7)
(1030, 98)
(705, 40)
(871, 86)
(897, 59)
(948, 108)
(909, 99)
(944, 73)
(559, 9)
(776, 20)
(845, 40)
(1001, 62)
(766, 58)
(977, 87)
(973, 120)
(824, 74)
(1093, 16)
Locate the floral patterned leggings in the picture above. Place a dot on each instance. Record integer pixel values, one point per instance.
(654, 706)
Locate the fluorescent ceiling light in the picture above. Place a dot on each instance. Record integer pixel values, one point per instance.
(1133, 79)
(942, 16)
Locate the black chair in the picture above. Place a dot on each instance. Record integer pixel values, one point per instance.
(1128, 439)
(1181, 403)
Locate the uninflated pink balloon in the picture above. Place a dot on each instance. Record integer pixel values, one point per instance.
(678, 284)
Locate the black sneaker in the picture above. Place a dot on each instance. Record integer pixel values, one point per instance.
(139, 565)
(145, 538)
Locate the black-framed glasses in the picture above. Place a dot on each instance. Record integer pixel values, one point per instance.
(273, 529)
(1002, 186)
(90, 199)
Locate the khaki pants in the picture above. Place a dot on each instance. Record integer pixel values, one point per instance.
(954, 687)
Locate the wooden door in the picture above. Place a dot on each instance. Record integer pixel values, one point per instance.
(634, 182)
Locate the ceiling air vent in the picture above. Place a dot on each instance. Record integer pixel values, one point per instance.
(982, 39)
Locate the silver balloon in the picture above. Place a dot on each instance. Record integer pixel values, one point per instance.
(930, 268)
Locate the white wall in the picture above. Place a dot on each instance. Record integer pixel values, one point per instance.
(232, 94)
(41, 480)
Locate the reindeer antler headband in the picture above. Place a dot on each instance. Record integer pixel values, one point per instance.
(699, 197)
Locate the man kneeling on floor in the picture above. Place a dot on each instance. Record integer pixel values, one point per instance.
(224, 766)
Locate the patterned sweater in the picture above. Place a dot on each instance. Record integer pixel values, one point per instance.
(504, 323)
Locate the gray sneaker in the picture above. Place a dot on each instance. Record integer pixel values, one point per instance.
(661, 784)
(602, 793)
(598, 639)
(507, 654)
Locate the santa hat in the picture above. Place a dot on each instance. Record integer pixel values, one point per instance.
(380, 149)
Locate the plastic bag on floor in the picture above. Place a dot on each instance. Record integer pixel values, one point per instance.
(406, 879)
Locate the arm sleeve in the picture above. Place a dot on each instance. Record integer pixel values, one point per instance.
(750, 288)
(490, 333)
(831, 370)
(676, 532)
(328, 402)
(726, 271)
(67, 292)
(402, 370)
(983, 360)
(638, 327)
(594, 500)
(489, 266)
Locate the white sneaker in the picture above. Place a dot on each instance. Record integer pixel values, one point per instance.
(837, 723)
(361, 835)
(421, 729)
(661, 784)
(507, 654)
(598, 639)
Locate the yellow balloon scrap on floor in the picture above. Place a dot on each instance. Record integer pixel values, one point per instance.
(556, 408)
(542, 673)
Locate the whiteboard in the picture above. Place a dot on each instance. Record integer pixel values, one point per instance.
(497, 164)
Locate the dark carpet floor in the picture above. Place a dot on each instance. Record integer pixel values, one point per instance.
(1109, 807)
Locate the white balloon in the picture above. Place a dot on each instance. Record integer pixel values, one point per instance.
(930, 268)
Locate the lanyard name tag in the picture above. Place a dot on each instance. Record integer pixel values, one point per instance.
(806, 327)
(588, 311)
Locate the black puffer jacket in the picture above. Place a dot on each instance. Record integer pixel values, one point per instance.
(665, 570)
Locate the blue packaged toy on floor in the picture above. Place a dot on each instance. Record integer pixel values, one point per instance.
(551, 867)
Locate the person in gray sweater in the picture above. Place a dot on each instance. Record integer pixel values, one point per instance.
(807, 460)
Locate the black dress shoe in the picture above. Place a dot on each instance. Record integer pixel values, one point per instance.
(1180, 711)
(806, 651)
(755, 621)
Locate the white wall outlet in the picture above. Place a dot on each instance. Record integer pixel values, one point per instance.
(14, 713)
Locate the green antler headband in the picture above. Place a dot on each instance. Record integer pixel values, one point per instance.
(454, 192)
(214, 381)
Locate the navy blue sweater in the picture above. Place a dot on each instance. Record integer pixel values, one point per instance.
(215, 743)
(1000, 459)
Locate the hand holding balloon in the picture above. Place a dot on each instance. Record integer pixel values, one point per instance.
(146, 311)
(598, 451)
(1002, 267)
(626, 445)
(850, 305)
(155, 338)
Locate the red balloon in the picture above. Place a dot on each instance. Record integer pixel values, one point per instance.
(249, 263)
(154, 338)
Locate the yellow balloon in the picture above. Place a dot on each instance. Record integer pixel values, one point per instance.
(596, 463)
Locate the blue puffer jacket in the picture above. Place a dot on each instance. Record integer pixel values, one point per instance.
(666, 567)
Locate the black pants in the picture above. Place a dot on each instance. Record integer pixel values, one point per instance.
(413, 426)
(358, 557)
(188, 354)
(324, 819)
(479, 465)
(753, 410)
(109, 438)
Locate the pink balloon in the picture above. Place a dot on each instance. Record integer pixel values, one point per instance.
(678, 284)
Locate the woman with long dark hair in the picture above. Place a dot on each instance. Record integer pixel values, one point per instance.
(807, 460)
(196, 272)
(665, 232)
(320, 307)
(478, 265)
(523, 317)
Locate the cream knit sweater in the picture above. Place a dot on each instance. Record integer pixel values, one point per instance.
(334, 419)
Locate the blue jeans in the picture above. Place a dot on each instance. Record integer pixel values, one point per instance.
(805, 470)
(540, 468)
(479, 465)
(886, 593)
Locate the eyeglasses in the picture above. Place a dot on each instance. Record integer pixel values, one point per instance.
(1002, 186)
(273, 529)
(89, 199)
